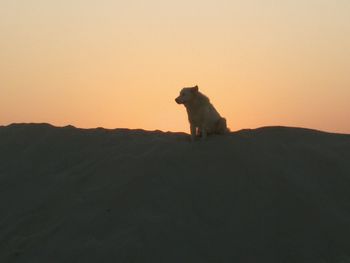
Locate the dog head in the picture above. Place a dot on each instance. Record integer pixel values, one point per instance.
(186, 95)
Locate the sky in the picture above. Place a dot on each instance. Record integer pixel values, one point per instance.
(120, 64)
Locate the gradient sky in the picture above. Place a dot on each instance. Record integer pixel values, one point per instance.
(114, 63)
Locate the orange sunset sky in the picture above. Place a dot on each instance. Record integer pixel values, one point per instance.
(122, 63)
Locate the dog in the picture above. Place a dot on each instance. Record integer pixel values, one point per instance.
(202, 116)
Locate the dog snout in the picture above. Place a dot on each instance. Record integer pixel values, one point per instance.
(177, 100)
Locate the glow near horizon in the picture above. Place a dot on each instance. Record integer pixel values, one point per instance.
(121, 64)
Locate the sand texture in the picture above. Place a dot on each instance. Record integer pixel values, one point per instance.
(273, 194)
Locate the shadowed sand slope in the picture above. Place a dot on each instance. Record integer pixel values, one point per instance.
(273, 194)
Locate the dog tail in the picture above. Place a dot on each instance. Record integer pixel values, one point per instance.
(222, 126)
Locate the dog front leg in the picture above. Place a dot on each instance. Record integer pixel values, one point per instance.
(193, 132)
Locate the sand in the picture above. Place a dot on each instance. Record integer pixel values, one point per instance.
(274, 194)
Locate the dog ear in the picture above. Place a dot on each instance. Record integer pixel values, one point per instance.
(195, 89)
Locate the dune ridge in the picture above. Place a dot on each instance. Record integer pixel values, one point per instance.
(273, 194)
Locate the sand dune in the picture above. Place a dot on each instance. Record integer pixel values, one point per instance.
(273, 194)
